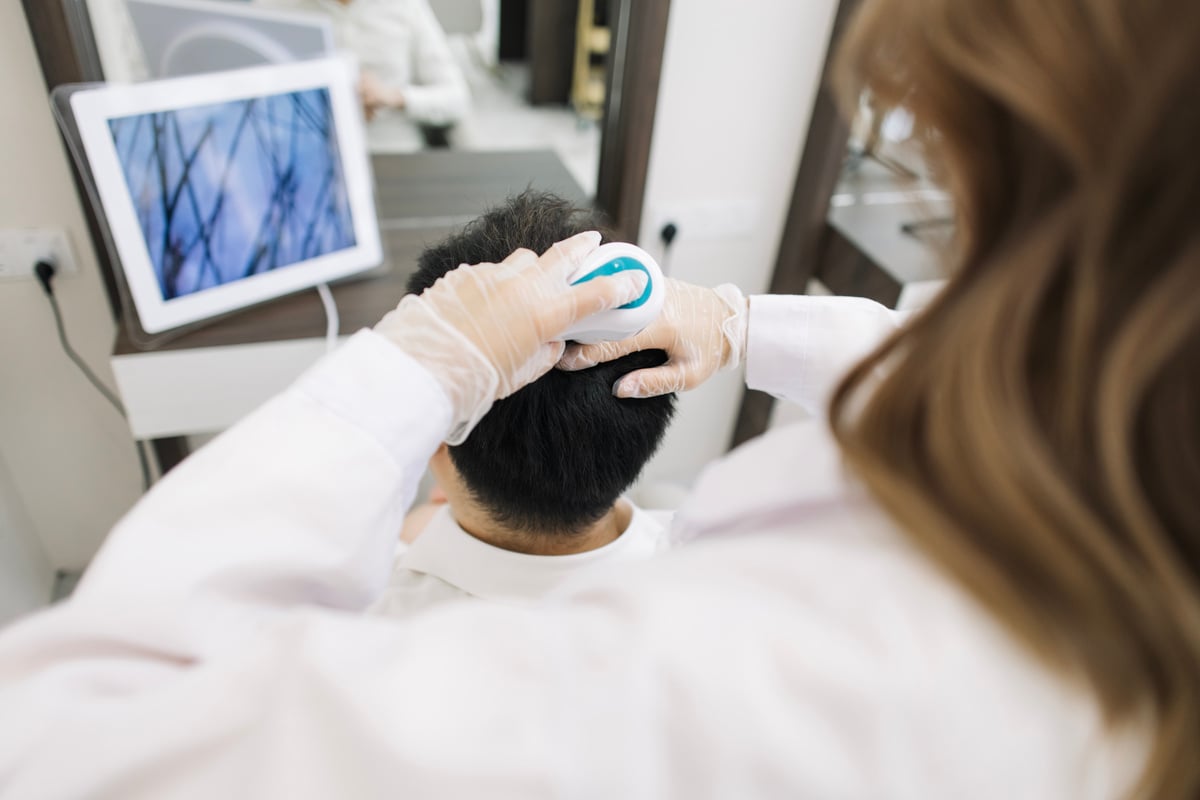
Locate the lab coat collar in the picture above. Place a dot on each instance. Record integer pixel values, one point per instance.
(446, 551)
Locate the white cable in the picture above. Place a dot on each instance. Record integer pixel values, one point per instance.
(332, 324)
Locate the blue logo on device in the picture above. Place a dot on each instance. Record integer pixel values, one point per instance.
(621, 264)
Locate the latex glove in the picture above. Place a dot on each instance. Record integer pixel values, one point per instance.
(485, 331)
(702, 330)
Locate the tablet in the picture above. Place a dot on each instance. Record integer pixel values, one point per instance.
(228, 189)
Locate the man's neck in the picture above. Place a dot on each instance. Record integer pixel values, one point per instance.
(604, 531)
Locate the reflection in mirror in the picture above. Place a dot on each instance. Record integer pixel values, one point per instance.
(482, 75)
(888, 190)
(887, 137)
(883, 154)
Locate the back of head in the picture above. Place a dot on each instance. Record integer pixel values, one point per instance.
(1038, 431)
(554, 457)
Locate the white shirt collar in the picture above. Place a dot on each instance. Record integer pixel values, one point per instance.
(446, 551)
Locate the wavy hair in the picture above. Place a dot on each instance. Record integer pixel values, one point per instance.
(1037, 430)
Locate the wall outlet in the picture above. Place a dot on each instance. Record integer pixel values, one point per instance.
(713, 219)
(22, 248)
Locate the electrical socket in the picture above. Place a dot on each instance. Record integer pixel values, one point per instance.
(721, 218)
(22, 248)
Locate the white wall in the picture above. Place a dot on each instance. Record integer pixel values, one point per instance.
(738, 84)
(26, 576)
(71, 465)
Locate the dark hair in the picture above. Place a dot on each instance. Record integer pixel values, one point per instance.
(556, 455)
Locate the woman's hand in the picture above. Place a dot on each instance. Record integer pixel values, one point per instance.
(702, 330)
(487, 330)
(376, 97)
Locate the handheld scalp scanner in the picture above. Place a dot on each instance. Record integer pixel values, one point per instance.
(624, 321)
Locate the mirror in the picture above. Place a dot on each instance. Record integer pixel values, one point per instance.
(888, 206)
(542, 112)
(471, 75)
(533, 118)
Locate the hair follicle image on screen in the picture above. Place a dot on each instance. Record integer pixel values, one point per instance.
(227, 191)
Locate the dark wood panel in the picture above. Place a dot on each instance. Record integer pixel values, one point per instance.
(847, 270)
(61, 31)
(169, 451)
(514, 30)
(551, 50)
(631, 101)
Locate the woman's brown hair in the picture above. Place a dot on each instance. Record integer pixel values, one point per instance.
(1037, 430)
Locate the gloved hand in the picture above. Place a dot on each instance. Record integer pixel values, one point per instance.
(485, 331)
(702, 330)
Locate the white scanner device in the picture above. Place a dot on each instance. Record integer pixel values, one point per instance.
(624, 321)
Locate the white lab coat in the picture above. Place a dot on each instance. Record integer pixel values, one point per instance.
(799, 647)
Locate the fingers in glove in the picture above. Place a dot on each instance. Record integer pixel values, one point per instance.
(610, 291)
(653, 382)
(545, 360)
(564, 257)
(538, 365)
(592, 297)
(520, 257)
(586, 356)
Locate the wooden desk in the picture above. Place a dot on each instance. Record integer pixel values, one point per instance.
(205, 380)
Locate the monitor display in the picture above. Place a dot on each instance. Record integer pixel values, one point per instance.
(231, 190)
(228, 189)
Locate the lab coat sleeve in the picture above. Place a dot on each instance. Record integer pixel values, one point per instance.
(799, 346)
(439, 95)
(298, 504)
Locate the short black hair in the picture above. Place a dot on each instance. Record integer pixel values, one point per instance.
(554, 456)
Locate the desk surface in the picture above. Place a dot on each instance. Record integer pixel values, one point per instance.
(420, 198)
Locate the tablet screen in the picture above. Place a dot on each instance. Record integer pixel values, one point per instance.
(230, 190)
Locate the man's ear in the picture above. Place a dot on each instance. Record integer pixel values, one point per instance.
(441, 466)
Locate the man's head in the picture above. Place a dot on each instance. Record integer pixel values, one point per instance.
(555, 456)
